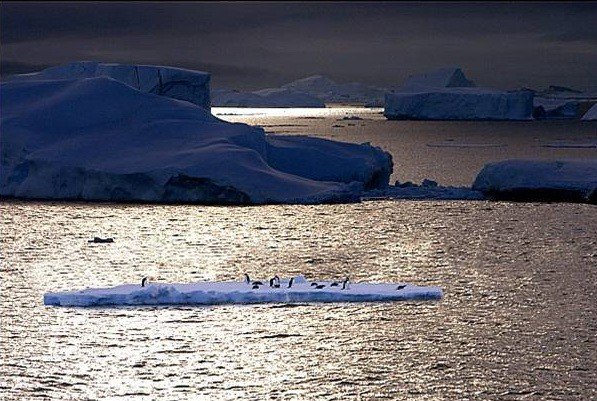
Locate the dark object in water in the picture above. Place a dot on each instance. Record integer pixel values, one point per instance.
(257, 283)
(320, 286)
(334, 284)
(98, 240)
(313, 284)
(345, 283)
(255, 286)
(290, 282)
(401, 287)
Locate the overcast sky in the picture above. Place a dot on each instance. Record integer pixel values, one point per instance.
(256, 45)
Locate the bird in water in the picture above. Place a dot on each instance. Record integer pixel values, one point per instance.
(290, 282)
(314, 284)
(255, 286)
(257, 283)
(334, 284)
(144, 281)
(401, 287)
(320, 286)
(345, 284)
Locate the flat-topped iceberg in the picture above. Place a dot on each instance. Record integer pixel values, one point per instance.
(177, 83)
(276, 97)
(100, 139)
(234, 292)
(446, 94)
(533, 180)
(459, 104)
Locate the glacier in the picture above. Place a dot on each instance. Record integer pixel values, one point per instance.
(235, 292)
(103, 140)
(273, 97)
(539, 180)
(591, 114)
(446, 94)
(177, 83)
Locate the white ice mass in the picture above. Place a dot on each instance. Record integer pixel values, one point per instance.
(331, 92)
(446, 94)
(231, 292)
(276, 97)
(177, 83)
(535, 180)
(101, 139)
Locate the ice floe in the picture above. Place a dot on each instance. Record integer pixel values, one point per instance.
(234, 292)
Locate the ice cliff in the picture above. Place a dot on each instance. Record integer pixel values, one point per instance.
(275, 97)
(177, 83)
(101, 139)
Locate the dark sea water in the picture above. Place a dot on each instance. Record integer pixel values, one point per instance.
(518, 320)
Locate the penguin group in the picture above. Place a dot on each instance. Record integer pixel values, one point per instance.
(274, 282)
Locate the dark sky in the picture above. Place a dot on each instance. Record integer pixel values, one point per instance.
(256, 45)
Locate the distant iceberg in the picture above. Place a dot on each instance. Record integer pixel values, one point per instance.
(276, 97)
(542, 181)
(231, 292)
(100, 139)
(331, 92)
(446, 94)
(554, 109)
(177, 83)
(591, 114)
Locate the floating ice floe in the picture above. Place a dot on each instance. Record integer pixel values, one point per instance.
(533, 180)
(217, 293)
(101, 139)
(177, 83)
(446, 94)
(277, 97)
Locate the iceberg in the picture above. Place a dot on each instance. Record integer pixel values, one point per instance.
(331, 92)
(234, 292)
(546, 108)
(543, 181)
(103, 140)
(275, 97)
(177, 83)
(591, 114)
(446, 94)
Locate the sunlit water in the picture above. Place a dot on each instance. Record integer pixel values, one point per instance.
(518, 320)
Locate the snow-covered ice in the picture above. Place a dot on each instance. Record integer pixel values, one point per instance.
(591, 114)
(459, 104)
(177, 83)
(427, 190)
(331, 92)
(446, 94)
(539, 180)
(101, 139)
(234, 292)
(275, 97)
(546, 108)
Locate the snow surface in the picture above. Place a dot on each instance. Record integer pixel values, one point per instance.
(591, 114)
(275, 97)
(565, 180)
(100, 139)
(231, 292)
(177, 83)
(459, 104)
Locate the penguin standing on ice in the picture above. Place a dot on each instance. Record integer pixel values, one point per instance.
(144, 281)
(345, 284)
(275, 282)
(247, 279)
(290, 282)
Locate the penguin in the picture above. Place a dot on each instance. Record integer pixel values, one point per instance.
(400, 287)
(275, 282)
(247, 278)
(255, 286)
(143, 281)
(290, 282)
(313, 284)
(320, 286)
(334, 284)
(271, 282)
(345, 284)
(257, 283)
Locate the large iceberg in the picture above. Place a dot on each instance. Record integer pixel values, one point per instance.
(177, 83)
(234, 292)
(591, 114)
(275, 97)
(331, 92)
(532, 180)
(549, 108)
(446, 94)
(101, 139)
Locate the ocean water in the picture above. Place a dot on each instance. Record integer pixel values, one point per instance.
(518, 320)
